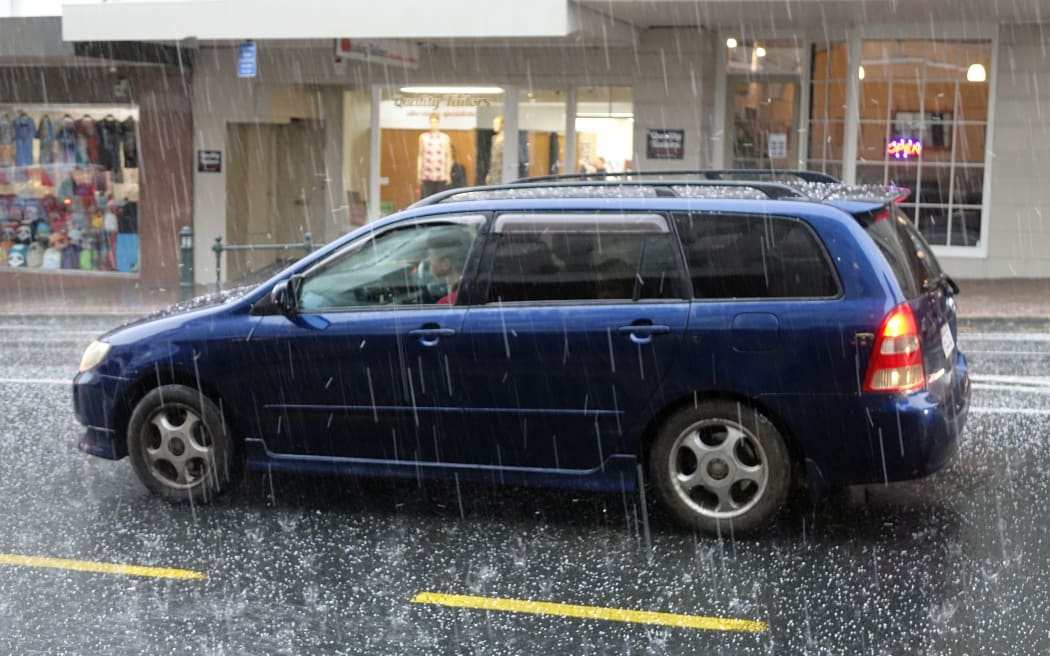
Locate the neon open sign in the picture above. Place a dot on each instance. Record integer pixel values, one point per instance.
(903, 148)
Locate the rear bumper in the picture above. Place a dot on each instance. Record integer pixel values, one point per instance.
(94, 402)
(875, 438)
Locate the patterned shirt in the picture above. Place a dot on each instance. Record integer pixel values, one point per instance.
(435, 155)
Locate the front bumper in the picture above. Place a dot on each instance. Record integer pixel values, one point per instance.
(95, 402)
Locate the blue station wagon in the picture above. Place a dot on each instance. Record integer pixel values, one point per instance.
(718, 339)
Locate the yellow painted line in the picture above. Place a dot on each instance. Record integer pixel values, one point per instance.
(100, 568)
(590, 612)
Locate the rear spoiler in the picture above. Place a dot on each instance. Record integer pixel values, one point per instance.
(865, 212)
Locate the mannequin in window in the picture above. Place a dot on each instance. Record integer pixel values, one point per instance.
(495, 174)
(434, 161)
(458, 176)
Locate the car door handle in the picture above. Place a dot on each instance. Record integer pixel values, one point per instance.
(431, 336)
(432, 332)
(644, 329)
(642, 333)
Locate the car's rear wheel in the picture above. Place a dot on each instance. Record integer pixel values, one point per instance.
(720, 467)
(180, 447)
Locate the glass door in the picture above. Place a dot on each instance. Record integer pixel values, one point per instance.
(762, 121)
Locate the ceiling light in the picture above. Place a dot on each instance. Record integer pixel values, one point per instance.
(760, 51)
(731, 43)
(477, 91)
(976, 73)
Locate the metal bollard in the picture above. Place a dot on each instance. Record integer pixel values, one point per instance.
(185, 263)
(308, 242)
(217, 247)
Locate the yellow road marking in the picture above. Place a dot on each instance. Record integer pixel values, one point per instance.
(590, 612)
(101, 568)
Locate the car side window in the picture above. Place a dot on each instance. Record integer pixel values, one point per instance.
(415, 264)
(582, 257)
(744, 256)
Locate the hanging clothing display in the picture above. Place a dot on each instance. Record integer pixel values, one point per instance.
(131, 149)
(7, 140)
(64, 203)
(87, 141)
(66, 138)
(109, 137)
(45, 132)
(24, 131)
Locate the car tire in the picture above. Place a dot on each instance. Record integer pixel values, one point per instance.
(720, 467)
(180, 446)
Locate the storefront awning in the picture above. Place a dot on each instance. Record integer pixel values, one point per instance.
(171, 20)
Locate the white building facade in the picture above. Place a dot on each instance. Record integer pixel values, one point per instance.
(319, 132)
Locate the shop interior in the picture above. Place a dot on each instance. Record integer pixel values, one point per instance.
(69, 187)
(472, 119)
(923, 120)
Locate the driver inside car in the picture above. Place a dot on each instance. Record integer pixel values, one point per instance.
(446, 254)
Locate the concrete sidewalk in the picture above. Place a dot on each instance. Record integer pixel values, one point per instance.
(1004, 298)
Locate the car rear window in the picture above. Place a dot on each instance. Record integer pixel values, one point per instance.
(746, 256)
(906, 251)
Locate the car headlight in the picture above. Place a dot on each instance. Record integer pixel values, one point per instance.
(93, 355)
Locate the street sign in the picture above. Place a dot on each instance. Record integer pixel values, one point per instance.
(247, 62)
(665, 144)
(209, 161)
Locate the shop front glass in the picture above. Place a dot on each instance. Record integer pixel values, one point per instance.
(604, 129)
(69, 187)
(762, 82)
(923, 121)
(827, 125)
(541, 130)
(434, 138)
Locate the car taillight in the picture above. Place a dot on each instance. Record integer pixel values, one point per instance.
(896, 360)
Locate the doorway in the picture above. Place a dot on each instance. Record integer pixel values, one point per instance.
(276, 190)
(762, 117)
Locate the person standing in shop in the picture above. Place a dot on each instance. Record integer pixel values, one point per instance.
(434, 161)
(495, 172)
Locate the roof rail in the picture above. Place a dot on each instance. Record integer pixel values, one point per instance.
(568, 188)
(708, 174)
(809, 185)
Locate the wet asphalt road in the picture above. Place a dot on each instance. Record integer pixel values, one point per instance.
(956, 563)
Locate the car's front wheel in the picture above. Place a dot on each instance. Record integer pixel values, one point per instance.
(180, 447)
(720, 467)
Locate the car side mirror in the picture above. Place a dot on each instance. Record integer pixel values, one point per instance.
(285, 296)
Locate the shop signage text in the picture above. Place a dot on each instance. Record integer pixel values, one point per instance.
(383, 51)
(778, 145)
(433, 101)
(209, 161)
(665, 144)
(902, 148)
(247, 60)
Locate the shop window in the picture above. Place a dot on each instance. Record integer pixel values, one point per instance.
(766, 57)
(69, 187)
(827, 108)
(923, 122)
(541, 126)
(418, 157)
(604, 129)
